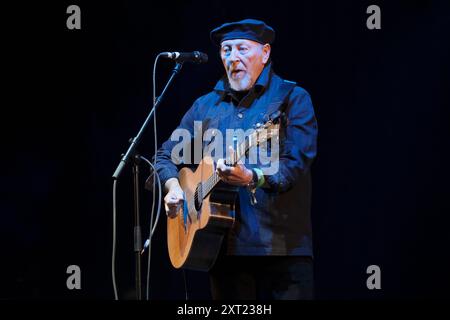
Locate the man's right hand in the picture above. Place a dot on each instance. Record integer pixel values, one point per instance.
(174, 198)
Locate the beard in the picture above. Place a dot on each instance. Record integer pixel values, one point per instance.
(243, 84)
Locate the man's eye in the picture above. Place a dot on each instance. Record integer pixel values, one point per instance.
(243, 49)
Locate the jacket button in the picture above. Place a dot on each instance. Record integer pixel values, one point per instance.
(240, 115)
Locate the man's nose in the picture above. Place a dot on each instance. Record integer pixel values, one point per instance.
(234, 55)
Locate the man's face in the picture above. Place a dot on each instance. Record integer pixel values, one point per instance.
(243, 61)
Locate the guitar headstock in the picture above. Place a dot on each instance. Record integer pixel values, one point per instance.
(261, 133)
(269, 129)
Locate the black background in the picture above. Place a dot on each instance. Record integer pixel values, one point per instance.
(73, 98)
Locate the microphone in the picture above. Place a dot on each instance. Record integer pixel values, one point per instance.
(196, 56)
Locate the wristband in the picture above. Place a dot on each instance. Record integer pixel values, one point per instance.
(260, 176)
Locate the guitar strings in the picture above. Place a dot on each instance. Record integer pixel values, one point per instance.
(214, 178)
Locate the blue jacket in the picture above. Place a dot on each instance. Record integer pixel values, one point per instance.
(280, 222)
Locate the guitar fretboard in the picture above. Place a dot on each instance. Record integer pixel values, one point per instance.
(251, 141)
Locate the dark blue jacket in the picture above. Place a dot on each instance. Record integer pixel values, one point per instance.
(280, 222)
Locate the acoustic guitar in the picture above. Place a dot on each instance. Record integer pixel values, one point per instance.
(195, 235)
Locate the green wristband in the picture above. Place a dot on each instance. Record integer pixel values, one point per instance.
(261, 179)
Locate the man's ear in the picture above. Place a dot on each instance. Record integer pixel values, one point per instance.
(266, 53)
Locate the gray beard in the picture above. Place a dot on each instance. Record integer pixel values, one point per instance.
(243, 84)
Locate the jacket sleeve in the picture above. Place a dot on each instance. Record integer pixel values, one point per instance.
(164, 165)
(298, 148)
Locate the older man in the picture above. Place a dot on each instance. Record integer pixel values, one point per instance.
(268, 252)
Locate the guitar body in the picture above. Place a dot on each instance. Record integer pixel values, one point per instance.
(195, 235)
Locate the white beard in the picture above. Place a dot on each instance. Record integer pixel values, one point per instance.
(243, 84)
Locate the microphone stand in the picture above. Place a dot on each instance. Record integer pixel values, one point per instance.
(132, 154)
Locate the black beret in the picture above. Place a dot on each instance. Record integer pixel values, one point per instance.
(250, 29)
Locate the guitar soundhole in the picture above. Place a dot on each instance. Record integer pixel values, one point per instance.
(198, 197)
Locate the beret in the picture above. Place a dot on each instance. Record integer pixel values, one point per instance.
(249, 29)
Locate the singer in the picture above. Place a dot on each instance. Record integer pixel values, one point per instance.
(267, 253)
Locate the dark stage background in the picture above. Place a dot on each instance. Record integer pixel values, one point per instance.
(74, 97)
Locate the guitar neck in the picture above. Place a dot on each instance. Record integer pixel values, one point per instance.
(239, 152)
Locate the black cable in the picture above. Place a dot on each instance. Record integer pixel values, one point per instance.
(148, 243)
(113, 259)
(185, 285)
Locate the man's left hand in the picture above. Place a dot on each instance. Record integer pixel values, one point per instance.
(237, 175)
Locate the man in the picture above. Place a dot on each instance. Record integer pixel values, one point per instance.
(268, 252)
